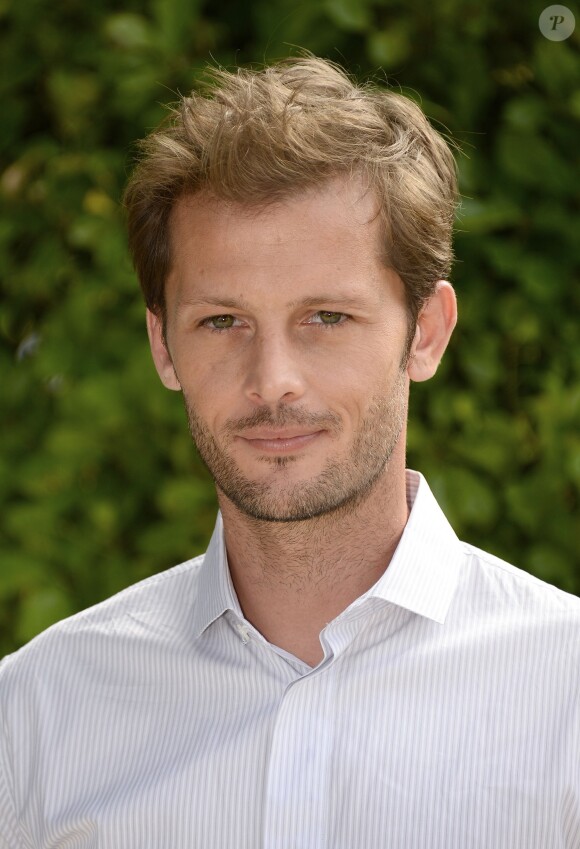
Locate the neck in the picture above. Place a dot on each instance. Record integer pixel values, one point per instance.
(293, 578)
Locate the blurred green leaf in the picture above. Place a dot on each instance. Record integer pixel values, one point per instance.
(389, 46)
(349, 14)
(477, 216)
(129, 31)
(533, 161)
(41, 608)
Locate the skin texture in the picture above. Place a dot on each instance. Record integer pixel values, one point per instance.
(309, 528)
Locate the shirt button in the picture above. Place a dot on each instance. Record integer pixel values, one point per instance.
(243, 631)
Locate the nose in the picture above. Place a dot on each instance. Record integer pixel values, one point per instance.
(274, 371)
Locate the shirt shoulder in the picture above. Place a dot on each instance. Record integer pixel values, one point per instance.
(498, 590)
(506, 574)
(512, 626)
(155, 607)
(90, 669)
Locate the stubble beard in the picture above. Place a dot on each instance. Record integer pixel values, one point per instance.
(344, 482)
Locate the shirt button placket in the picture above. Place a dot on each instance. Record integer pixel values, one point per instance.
(297, 789)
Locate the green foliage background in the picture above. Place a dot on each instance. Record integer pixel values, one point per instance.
(99, 484)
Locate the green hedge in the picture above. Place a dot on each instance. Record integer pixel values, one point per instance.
(99, 483)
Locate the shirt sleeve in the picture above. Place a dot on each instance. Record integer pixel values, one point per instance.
(9, 830)
(8, 827)
(570, 809)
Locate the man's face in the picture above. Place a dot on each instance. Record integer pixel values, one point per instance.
(287, 336)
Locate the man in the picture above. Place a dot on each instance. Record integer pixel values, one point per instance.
(338, 670)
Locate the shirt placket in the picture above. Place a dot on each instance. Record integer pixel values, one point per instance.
(296, 805)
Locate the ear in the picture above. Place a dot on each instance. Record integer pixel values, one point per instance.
(434, 328)
(161, 356)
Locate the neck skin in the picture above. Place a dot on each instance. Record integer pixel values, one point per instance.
(294, 578)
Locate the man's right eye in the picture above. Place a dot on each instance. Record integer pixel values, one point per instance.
(216, 323)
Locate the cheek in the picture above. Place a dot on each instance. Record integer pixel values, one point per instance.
(201, 368)
(370, 361)
(213, 389)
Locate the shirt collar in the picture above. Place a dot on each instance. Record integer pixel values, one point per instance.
(215, 591)
(421, 577)
(424, 571)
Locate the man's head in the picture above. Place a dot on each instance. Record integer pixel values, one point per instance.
(255, 137)
(271, 226)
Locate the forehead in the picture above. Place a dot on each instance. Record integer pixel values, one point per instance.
(340, 207)
(327, 235)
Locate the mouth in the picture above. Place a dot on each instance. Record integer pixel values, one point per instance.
(282, 444)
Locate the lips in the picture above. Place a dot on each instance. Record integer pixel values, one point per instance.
(290, 433)
(283, 442)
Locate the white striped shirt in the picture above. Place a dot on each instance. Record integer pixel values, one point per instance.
(444, 715)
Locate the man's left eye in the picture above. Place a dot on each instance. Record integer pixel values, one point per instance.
(330, 319)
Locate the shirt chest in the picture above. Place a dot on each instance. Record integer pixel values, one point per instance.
(389, 743)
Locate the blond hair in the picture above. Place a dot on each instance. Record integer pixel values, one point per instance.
(259, 136)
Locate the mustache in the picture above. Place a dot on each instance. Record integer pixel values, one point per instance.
(284, 417)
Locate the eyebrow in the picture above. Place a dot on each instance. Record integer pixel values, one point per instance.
(309, 301)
